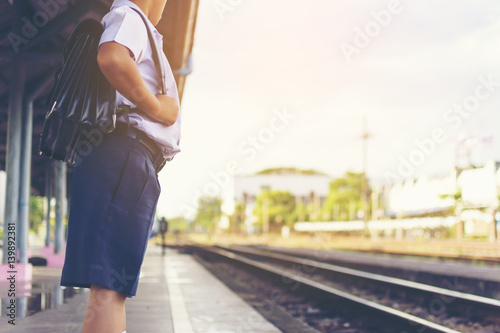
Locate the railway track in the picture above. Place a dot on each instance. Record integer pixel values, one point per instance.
(488, 260)
(400, 301)
(480, 281)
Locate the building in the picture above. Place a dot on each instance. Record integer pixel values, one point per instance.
(420, 197)
(469, 195)
(307, 188)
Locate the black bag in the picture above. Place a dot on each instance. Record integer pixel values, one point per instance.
(83, 101)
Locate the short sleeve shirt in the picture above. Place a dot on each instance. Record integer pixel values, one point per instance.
(125, 26)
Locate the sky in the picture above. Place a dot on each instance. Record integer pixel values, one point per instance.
(288, 83)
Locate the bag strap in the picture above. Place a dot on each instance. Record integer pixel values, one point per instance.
(160, 66)
(124, 110)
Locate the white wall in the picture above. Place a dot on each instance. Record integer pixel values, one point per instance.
(423, 194)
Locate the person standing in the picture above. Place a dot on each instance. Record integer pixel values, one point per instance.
(115, 188)
(163, 231)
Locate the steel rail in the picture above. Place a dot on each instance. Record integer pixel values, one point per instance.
(455, 258)
(330, 290)
(374, 277)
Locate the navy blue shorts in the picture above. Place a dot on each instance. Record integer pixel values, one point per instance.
(113, 202)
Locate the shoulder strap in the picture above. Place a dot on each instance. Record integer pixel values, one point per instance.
(157, 58)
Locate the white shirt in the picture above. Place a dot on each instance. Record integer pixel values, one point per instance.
(126, 27)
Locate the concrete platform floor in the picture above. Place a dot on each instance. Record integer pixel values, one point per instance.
(175, 294)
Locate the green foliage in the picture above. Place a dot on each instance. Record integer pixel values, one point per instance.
(238, 217)
(289, 171)
(302, 212)
(37, 214)
(239, 210)
(345, 194)
(280, 205)
(208, 214)
(177, 224)
(456, 196)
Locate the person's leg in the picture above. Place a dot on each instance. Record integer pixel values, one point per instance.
(105, 311)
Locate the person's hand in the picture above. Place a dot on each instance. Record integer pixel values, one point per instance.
(168, 108)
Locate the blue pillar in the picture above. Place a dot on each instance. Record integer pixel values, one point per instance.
(48, 196)
(25, 182)
(60, 195)
(13, 155)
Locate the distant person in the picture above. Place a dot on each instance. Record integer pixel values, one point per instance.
(115, 188)
(163, 231)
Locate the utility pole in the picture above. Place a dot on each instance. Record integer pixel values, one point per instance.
(265, 209)
(364, 187)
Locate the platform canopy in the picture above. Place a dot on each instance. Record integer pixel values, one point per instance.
(33, 32)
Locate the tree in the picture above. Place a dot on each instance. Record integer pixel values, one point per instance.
(238, 218)
(280, 206)
(302, 213)
(345, 196)
(177, 224)
(289, 171)
(36, 214)
(208, 215)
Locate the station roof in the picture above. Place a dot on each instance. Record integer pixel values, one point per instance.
(39, 51)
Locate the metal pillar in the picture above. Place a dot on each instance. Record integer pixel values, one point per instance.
(22, 307)
(25, 182)
(13, 154)
(48, 196)
(60, 195)
(40, 88)
(57, 297)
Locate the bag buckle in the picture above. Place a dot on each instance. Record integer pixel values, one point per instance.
(123, 110)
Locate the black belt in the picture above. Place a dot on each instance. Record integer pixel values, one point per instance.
(158, 159)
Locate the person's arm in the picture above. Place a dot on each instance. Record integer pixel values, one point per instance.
(121, 71)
